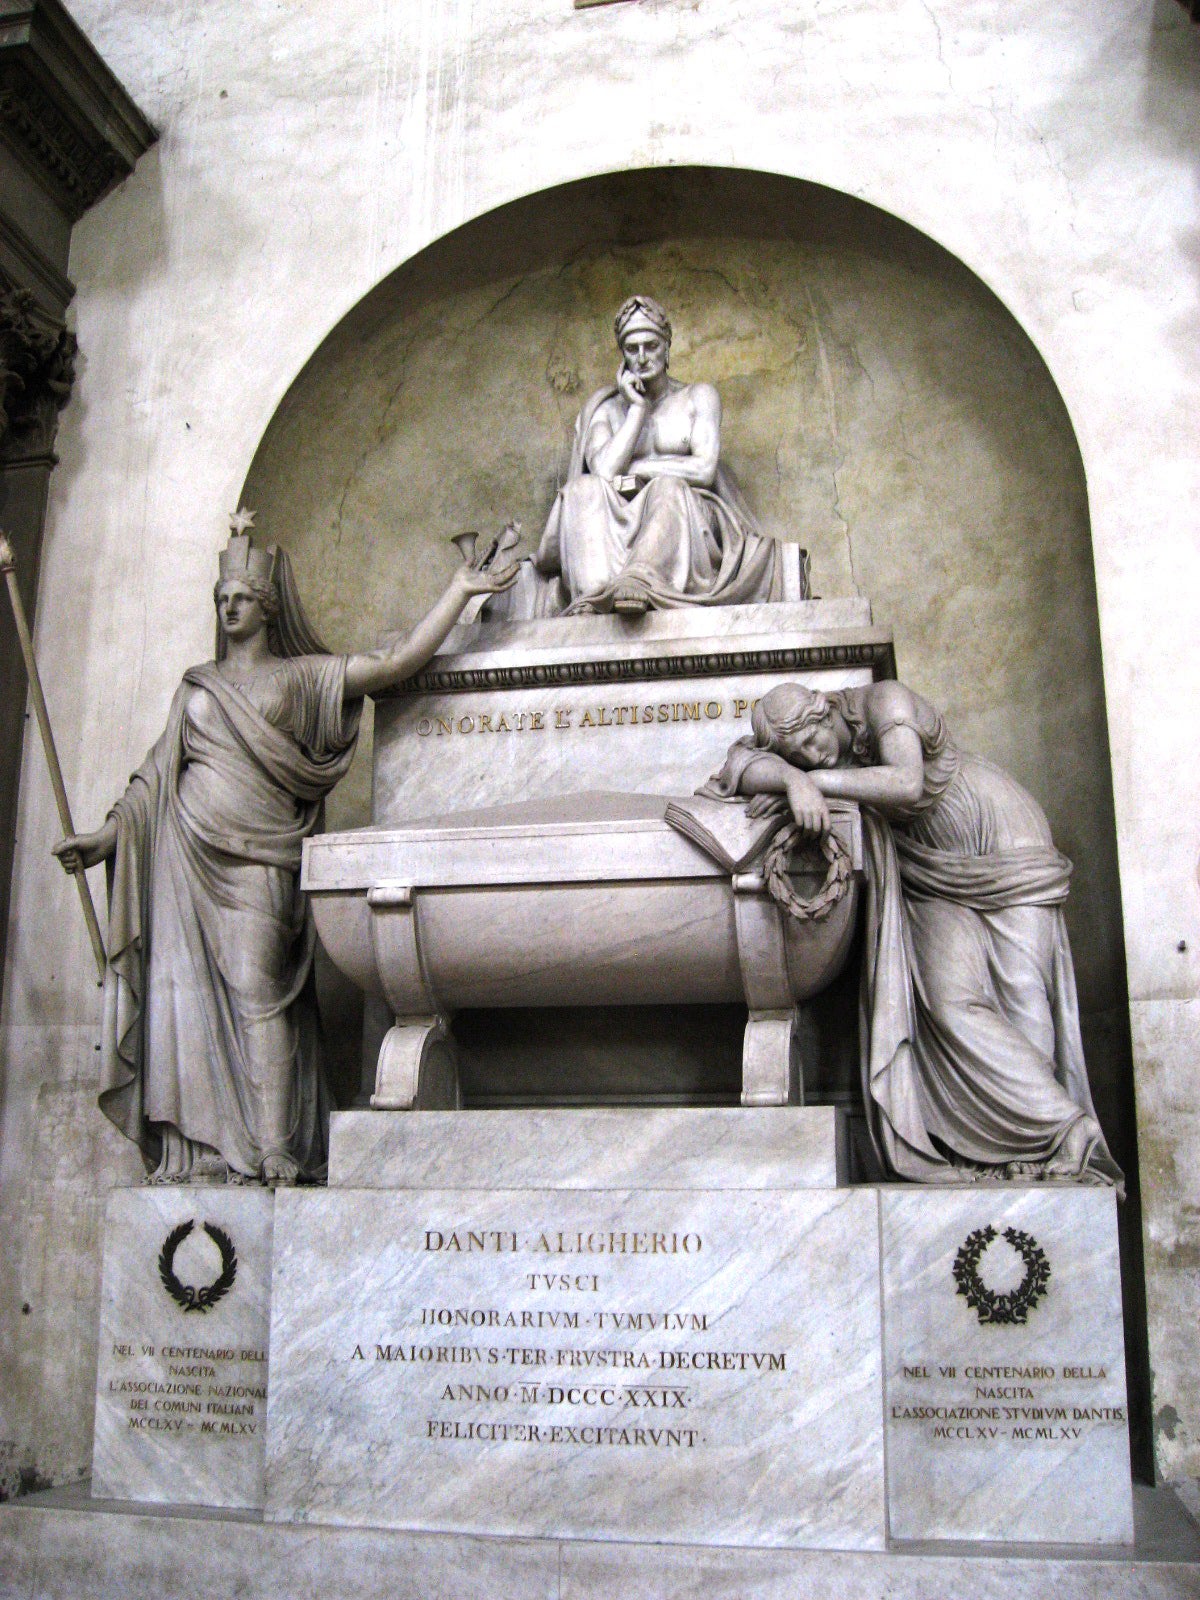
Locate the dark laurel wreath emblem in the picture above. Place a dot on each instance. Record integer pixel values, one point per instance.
(1019, 1302)
(186, 1294)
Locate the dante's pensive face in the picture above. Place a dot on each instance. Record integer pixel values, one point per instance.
(239, 609)
(646, 353)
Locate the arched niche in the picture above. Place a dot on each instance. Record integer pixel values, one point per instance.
(881, 405)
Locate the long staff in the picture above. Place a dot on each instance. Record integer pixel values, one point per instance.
(8, 565)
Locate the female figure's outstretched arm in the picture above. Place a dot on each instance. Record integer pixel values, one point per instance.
(370, 671)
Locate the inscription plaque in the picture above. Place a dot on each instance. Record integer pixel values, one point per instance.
(666, 1365)
(1004, 1365)
(181, 1392)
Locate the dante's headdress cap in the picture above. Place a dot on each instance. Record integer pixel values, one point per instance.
(641, 312)
(240, 559)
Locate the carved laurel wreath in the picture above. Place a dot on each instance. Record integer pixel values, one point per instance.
(1019, 1302)
(778, 859)
(188, 1295)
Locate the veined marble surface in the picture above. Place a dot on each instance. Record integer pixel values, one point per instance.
(666, 1147)
(181, 1414)
(1005, 1430)
(54, 1547)
(437, 753)
(1050, 148)
(470, 1361)
(684, 686)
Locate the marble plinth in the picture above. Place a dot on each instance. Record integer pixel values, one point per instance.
(668, 1147)
(650, 704)
(58, 1546)
(675, 1365)
(1015, 1427)
(181, 1393)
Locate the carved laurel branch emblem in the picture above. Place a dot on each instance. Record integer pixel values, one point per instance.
(1016, 1305)
(778, 860)
(189, 1296)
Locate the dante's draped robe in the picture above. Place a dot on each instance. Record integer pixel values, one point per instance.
(682, 545)
(969, 1029)
(209, 1003)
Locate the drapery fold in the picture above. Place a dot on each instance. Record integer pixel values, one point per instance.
(703, 547)
(208, 1000)
(969, 1022)
(971, 1054)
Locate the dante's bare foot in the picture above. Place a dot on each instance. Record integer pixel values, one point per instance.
(1023, 1169)
(631, 600)
(280, 1170)
(158, 1178)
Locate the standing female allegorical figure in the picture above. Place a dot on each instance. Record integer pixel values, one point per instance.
(211, 1055)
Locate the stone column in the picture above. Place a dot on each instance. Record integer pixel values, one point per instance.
(68, 134)
(37, 357)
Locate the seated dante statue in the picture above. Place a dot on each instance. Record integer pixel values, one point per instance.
(648, 517)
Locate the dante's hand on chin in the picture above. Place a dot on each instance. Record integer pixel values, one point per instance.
(630, 388)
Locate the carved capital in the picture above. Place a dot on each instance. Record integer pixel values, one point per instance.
(37, 369)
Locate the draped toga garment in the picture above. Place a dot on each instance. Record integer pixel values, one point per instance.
(969, 1023)
(209, 1003)
(681, 544)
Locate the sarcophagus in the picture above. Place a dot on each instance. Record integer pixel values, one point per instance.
(592, 900)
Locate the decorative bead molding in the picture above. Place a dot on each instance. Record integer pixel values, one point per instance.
(879, 656)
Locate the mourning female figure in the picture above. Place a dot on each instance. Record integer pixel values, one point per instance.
(211, 1051)
(972, 1058)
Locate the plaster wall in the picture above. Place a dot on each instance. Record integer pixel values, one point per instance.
(309, 149)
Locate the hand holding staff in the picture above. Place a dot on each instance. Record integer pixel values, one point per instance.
(8, 566)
